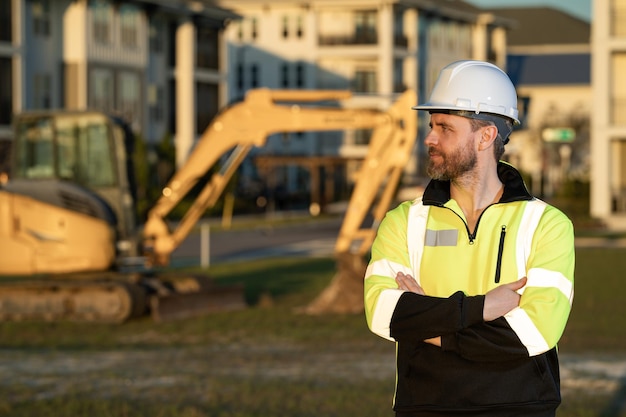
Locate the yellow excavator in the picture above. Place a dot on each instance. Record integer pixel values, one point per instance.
(67, 213)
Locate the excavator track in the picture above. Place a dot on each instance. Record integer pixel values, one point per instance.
(98, 301)
(115, 298)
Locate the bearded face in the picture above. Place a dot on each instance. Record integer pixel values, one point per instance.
(450, 165)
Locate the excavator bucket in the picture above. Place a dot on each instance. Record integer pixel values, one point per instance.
(191, 296)
(344, 294)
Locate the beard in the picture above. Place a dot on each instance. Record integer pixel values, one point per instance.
(452, 165)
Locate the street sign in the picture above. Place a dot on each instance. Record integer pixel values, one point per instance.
(558, 134)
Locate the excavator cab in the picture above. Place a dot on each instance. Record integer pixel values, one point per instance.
(79, 161)
(67, 228)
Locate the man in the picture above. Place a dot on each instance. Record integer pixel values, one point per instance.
(474, 280)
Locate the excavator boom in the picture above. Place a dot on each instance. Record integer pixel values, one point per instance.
(249, 123)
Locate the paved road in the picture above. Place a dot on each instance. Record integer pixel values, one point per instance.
(306, 238)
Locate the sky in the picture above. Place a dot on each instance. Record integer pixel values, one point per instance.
(577, 8)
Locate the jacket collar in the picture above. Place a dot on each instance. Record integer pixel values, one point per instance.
(437, 192)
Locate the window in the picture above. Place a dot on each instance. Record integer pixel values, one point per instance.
(102, 16)
(364, 81)
(156, 97)
(156, 36)
(255, 28)
(69, 166)
(240, 31)
(284, 80)
(171, 109)
(362, 136)
(42, 91)
(300, 74)
(299, 27)
(80, 149)
(398, 76)
(399, 38)
(285, 27)
(206, 105)
(240, 81)
(97, 168)
(129, 95)
(365, 27)
(6, 91)
(618, 91)
(129, 21)
(618, 175)
(207, 47)
(254, 75)
(101, 89)
(35, 152)
(6, 12)
(41, 17)
(171, 44)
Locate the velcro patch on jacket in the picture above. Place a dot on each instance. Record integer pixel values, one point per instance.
(441, 237)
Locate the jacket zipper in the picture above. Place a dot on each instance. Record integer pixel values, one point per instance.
(470, 235)
(500, 251)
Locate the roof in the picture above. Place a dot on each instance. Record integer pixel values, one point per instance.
(562, 69)
(204, 8)
(543, 26)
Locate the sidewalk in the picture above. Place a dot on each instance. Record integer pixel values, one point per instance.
(599, 242)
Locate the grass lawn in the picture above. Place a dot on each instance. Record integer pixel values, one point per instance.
(268, 360)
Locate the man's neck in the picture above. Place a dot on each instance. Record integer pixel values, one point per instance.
(474, 192)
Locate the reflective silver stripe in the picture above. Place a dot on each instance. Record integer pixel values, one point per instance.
(385, 306)
(441, 237)
(539, 277)
(386, 268)
(526, 330)
(530, 220)
(518, 319)
(416, 234)
(387, 300)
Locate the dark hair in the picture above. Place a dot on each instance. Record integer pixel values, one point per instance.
(498, 143)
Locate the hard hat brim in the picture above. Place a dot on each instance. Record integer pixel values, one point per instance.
(443, 108)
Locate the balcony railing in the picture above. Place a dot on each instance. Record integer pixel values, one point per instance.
(354, 39)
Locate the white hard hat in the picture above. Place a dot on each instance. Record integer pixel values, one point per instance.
(473, 87)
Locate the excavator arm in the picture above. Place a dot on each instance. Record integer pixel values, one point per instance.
(265, 112)
(64, 216)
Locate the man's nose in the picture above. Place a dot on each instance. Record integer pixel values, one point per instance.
(430, 139)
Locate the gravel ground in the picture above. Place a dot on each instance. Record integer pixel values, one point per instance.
(143, 373)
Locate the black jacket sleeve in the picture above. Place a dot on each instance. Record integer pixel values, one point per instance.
(487, 341)
(419, 317)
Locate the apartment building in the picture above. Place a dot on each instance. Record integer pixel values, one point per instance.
(159, 64)
(608, 123)
(375, 48)
(551, 70)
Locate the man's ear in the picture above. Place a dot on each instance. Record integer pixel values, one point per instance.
(488, 135)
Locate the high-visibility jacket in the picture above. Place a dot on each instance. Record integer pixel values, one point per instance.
(504, 367)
